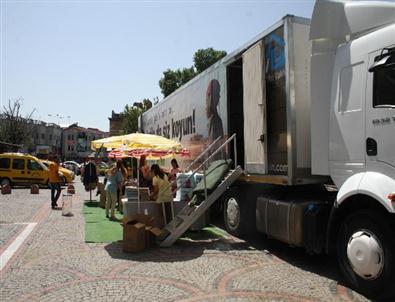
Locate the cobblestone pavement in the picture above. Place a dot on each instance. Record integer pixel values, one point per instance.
(55, 264)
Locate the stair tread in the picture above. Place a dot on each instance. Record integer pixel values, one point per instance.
(176, 232)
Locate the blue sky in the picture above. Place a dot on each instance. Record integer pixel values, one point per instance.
(85, 58)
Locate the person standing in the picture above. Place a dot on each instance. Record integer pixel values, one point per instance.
(145, 173)
(173, 175)
(54, 181)
(161, 191)
(114, 182)
(121, 189)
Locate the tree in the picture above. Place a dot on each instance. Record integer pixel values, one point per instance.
(130, 115)
(204, 58)
(15, 128)
(174, 79)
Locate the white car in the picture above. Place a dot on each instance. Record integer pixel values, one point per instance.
(73, 166)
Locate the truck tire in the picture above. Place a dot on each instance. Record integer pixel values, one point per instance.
(239, 215)
(366, 253)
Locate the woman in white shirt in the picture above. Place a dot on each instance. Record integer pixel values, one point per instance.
(161, 186)
(161, 191)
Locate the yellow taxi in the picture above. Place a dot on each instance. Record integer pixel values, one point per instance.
(22, 169)
(67, 175)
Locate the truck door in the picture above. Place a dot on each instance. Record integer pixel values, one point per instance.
(254, 108)
(380, 108)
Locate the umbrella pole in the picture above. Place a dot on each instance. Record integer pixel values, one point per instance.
(132, 170)
(138, 187)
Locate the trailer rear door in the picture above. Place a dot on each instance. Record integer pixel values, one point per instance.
(254, 95)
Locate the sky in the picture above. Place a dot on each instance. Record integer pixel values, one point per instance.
(80, 60)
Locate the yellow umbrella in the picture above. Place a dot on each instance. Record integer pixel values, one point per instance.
(138, 141)
(138, 144)
(111, 142)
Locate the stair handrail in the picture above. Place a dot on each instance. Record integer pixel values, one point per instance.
(233, 137)
(203, 153)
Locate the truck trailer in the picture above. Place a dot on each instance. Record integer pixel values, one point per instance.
(306, 111)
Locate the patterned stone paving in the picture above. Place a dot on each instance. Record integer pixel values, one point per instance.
(55, 264)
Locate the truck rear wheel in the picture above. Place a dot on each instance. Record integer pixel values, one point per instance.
(366, 253)
(239, 215)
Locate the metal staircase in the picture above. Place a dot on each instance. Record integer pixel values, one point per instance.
(194, 210)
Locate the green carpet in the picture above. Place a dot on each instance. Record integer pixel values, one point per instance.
(98, 228)
(210, 232)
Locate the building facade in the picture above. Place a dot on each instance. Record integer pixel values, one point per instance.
(115, 124)
(77, 141)
(46, 139)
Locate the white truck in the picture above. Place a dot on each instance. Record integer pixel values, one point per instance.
(312, 104)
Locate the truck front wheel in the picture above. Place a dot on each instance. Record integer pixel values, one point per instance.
(366, 253)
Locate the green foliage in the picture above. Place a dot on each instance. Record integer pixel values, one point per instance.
(15, 128)
(131, 114)
(204, 58)
(174, 79)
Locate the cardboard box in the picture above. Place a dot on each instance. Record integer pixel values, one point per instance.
(148, 220)
(156, 231)
(149, 238)
(151, 233)
(133, 236)
(152, 208)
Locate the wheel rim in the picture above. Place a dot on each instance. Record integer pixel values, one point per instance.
(233, 212)
(365, 254)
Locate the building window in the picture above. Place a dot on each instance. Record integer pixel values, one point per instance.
(42, 135)
(50, 137)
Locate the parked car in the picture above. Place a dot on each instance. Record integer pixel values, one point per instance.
(67, 175)
(22, 169)
(73, 166)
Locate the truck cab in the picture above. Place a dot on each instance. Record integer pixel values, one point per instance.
(353, 134)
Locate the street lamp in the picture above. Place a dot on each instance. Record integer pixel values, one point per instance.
(59, 117)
